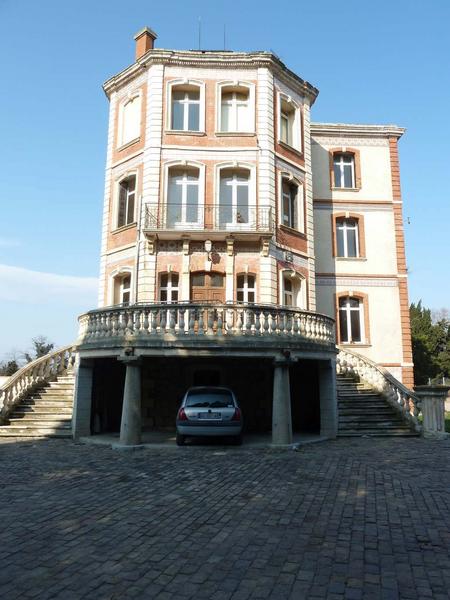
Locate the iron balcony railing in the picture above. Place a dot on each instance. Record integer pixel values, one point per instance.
(213, 217)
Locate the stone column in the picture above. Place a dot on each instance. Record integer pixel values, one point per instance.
(433, 409)
(328, 398)
(281, 408)
(130, 426)
(82, 402)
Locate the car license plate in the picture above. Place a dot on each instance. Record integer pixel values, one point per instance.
(209, 415)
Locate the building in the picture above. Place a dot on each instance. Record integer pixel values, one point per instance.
(235, 232)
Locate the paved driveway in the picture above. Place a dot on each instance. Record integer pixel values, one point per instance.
(364, 518)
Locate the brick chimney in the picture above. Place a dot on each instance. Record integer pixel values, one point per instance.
(145, 40)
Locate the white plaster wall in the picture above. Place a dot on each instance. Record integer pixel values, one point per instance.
(375, 169)
(379, 238)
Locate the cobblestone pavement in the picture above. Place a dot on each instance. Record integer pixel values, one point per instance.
(367, 518)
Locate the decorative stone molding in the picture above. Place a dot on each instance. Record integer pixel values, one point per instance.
(433, 409)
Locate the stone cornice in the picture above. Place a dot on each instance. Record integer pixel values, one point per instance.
(356, 130)
(214, 59)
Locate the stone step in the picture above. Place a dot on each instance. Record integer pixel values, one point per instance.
(378, 433)
(55, 403)
(41, 423)
(44, 410)
(370, 418)
(57, 393)
(34, 432)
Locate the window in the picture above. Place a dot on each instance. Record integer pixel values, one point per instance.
(127, 198)
(234, 197)
(235, 110)
(344, 170)
(245, 288)
(130, 120)
(122, 289)
(185, 113)
(293, 290)
(168, 287)
(183, 197)
(289, 204)
(347, 243)
(351, 321)
(289, 128)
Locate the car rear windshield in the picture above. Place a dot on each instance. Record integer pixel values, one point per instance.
(210, 399)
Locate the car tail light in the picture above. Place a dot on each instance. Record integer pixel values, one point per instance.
(237, 414)
(182, 415)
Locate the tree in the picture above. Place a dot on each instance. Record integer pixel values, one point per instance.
(431, 343)
(41, 347)
(9, 367)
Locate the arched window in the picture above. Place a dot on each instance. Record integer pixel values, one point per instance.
(245, 287)
(351, 320)
(127, 201)
(183, 206)
(122, 289)
(130, 120)
(293, 290)
(234, 206)
(235, 109)
(185, 108)
(168, 287)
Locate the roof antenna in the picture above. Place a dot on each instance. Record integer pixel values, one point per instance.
(224, 36)
(199, 32)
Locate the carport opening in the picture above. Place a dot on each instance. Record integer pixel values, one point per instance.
(107, 395)
(305, 396)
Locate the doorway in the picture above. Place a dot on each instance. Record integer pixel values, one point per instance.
(207, 287)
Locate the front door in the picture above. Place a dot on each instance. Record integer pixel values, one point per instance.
(207, 287)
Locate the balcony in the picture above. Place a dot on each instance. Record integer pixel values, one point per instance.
(183, 326)
(216, 218)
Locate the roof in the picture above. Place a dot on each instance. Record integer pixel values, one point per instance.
(360, 130)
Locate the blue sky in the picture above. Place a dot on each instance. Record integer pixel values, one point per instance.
(383, 62)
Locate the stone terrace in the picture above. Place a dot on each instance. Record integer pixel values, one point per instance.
(366, 518)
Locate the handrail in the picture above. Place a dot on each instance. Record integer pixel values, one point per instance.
(399, 396)
(216, 320)
(35, 373)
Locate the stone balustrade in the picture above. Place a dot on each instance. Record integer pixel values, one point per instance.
(399, 396)
(34, 374)
(203, 320)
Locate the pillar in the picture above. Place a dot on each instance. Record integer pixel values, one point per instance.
(281, 408)
(328, 398)
(130, 426)
(82, 402)
(433, 409)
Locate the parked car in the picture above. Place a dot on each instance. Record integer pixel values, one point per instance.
(209, 411)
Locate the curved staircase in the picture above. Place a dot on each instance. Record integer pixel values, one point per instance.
(37, 401)
(364, 411)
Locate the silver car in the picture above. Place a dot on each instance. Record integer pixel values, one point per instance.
(209, 411)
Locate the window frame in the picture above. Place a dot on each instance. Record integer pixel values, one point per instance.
(118, 183)
(170, 288)
(298, 292)
(114, 277)
(246, 289)
(285, 176)
(174, 83)
(363, 321)
(296, 127)
(252, 204)
(201, 192)
(356, 168)
(251, 117)
(361, 244)
(120, 121)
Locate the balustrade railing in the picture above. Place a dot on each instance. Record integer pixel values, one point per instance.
(399, 396)
(203, 319)
(214, 217)
(33, 374)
